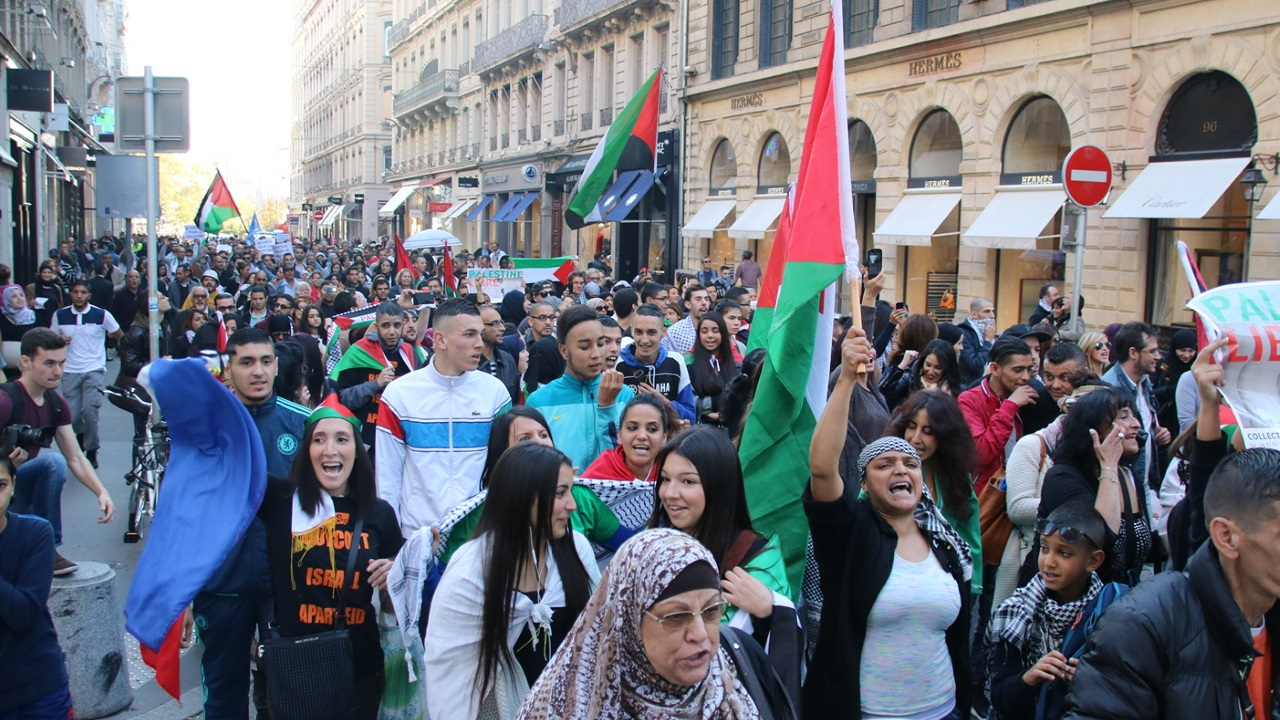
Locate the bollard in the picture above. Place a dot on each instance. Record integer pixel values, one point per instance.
(91, 631)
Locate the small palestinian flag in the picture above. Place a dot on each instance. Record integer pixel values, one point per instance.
(217, 207)
(368, 354)
(633, 135)
(538, 270)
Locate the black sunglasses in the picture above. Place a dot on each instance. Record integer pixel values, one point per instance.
(1069, 535)
(1101, 344)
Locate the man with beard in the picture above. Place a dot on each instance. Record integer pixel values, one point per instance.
(371, 363)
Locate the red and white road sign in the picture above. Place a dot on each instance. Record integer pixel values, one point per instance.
(1086, 175)
(318, 215)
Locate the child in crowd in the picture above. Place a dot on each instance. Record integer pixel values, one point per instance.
(31, 661)
(1026, 633)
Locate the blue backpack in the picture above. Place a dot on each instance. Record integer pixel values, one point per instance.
(1052, 703)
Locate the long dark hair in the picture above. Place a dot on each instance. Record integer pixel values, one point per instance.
(702, 374)
(361, 487)
(304, 326)
(523, 479)
(500, 436)
(1096, 409)
(724, 512)
(953, 462)
(945, 353)
(914, 333)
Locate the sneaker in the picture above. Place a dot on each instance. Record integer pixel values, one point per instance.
(62, 566)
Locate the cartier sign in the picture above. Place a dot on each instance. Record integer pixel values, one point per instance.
(935, 64)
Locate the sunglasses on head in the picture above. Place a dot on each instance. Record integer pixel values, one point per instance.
(1101, 344)
(1068, 534)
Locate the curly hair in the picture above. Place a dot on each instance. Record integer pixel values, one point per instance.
(953, 462)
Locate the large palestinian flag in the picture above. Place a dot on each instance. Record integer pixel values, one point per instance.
(634, 133)
(538, 270)
(217, 207)
(816, 240)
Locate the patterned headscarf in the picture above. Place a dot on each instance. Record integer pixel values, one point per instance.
(886, 444)
(601, 670)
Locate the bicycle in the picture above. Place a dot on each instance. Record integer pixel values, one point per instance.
(150, 459)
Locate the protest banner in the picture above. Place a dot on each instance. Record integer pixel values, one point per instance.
(284, 243)
(265, 243)
(494, 283)
(192, 232)
(1249, 315)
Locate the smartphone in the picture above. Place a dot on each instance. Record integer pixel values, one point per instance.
(875, 262)
(423, 298)
(900, 305)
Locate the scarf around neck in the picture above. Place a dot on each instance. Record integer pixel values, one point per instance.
(1034, 622)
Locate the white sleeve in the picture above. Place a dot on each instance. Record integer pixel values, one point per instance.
(389, 456)
(452, 646)
(109, 322)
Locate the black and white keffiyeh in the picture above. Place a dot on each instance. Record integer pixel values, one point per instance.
(1035, 623)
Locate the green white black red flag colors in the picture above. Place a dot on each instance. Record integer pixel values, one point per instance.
(634, 133)
(217, 207)
(544, 269)
(814, 245)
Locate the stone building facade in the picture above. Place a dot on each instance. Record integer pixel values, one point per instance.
(960, 116)
(340, 141)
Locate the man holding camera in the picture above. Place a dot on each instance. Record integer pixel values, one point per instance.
(37, 416)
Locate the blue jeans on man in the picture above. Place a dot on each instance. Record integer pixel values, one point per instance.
(38, 490)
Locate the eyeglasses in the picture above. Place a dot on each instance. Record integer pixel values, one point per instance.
(283, 306)
(677, 621)
(540, 318)
(495, 324)
(1069, 535)
(226, 308)
(1101, 344)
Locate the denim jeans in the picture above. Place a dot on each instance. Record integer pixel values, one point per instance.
(38, 490)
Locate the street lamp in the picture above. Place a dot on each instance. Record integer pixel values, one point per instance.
(1254, 183)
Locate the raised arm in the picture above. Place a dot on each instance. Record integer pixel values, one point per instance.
(829, 435)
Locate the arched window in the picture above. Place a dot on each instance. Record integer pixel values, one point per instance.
(862, 151)
(936, 150)
(1038, 139)
(724, 167)
(775, 162)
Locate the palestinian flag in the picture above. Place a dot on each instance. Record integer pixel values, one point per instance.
(352, 319)
(538, 270)
(633, 134)
(217, 207)
(367, 353)
(818, 245)
(448, 280)
(402, 258)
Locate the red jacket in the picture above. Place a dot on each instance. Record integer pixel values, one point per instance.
(992, 421)
(611, 465)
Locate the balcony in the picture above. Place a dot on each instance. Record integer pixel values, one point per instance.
(557, 128)
(433, 93)
(400, 30)
(535, 133)
(584, 123)
(606, 117)
(575, 14)
(516, 41)
(475, 151)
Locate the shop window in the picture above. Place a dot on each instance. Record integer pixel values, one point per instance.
(774, 169)
(860, 21)
(775, 32)
(1037, 142)
(927, 14)
(936, 151)
(1212, 115)
(724, 168)
(724, 37)
(932, 271)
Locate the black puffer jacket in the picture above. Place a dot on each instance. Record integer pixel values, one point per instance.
(1176, 648)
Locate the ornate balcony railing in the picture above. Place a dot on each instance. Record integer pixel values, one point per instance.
(572, 13)
(520, 38)
(443, 84)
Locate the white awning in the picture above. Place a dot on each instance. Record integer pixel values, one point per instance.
(1015, 217)
(758, 217)
(1272, 210)
(457, 209)
(397, 200)
(331, 215)
(1180, 189)
(917, 217)
(707, 220)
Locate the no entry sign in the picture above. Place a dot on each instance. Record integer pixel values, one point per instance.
(318, 215)
(1086, 175)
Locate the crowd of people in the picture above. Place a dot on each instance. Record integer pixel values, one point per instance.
(541, 508)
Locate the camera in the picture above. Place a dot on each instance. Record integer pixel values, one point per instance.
(20, 436)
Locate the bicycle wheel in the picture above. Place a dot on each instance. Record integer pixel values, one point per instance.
(137, 512)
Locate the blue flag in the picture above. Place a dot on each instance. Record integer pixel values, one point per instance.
(215, 481)
(254, 228)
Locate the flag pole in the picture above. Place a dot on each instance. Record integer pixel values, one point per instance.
(855, 314)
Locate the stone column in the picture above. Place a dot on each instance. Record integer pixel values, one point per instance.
(91, 630)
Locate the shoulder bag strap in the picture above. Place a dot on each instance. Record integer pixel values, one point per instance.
(1130, 537)
(738, 550)
(353, 550)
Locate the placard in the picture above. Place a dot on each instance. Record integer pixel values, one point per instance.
(494, 283)
(193, 232)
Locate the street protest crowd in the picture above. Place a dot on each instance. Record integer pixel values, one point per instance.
(532, 505)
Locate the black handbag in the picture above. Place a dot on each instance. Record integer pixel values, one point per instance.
(313, 677)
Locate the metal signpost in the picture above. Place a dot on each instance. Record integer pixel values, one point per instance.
(163, 104)
(1086, 177)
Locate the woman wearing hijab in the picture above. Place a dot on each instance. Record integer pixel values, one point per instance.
(329, 498)
(894, 634)
(1182, 352)
(46, 294)
(650, 646)
(16, 318)
(513, 308)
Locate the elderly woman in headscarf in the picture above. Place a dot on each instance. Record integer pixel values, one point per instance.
(894, 634)
(650, 646)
